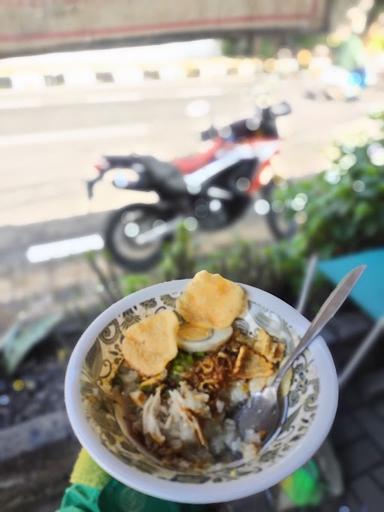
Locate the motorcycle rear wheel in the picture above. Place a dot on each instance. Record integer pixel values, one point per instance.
(278, 223)
(120, 237)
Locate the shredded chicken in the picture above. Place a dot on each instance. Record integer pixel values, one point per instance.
(138, 397)
(195, 401)
(181, 423)
(151, 412)
(184, 407)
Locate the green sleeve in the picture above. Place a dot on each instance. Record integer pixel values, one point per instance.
(80, 498)
(116, 497)
(93, 490)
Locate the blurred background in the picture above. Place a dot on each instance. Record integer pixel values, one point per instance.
(141, 143)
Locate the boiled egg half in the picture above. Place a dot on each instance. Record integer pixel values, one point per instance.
(192, 338)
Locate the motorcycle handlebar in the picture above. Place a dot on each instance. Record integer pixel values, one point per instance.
(280, 109)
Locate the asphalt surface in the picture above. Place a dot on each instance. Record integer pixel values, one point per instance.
(50, 139)
(50, 147)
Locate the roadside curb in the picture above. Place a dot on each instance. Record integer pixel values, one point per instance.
(80, 76)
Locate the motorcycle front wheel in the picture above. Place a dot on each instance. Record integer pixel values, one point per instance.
(122, 229)
(278, 222)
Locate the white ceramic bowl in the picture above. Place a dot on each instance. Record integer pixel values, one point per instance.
(312, 402)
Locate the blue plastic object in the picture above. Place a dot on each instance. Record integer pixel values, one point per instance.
(369, 290)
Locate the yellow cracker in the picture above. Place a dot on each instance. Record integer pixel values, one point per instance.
(150, 344)
(211, 301)
(249, 365)
(272, 350)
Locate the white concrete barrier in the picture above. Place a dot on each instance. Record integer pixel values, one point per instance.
(80, 77)
(98, 74)
(27, 81)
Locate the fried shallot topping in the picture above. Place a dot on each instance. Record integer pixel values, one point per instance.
(215, 370)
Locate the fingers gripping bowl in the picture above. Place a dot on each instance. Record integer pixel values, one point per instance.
(165, 428)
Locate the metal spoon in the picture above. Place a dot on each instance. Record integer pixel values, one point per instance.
(263, 411)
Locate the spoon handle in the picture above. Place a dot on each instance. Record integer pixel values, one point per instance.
(326, 312)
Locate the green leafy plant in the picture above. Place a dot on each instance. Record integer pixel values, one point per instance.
(243, 261)
(179, 262)
(338, 211)
(341, 209)
(131, 283)
(179, 259)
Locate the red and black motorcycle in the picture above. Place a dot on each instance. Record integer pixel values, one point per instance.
(207, 191)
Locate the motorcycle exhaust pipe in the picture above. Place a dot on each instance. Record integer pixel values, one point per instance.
(158, 232)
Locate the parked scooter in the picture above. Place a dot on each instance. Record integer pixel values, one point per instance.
(207, 191)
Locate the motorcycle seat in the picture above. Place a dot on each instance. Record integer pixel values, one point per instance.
(191, 163)
(164, 176)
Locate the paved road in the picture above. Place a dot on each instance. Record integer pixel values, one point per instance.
(48, 142)
(49, 148)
